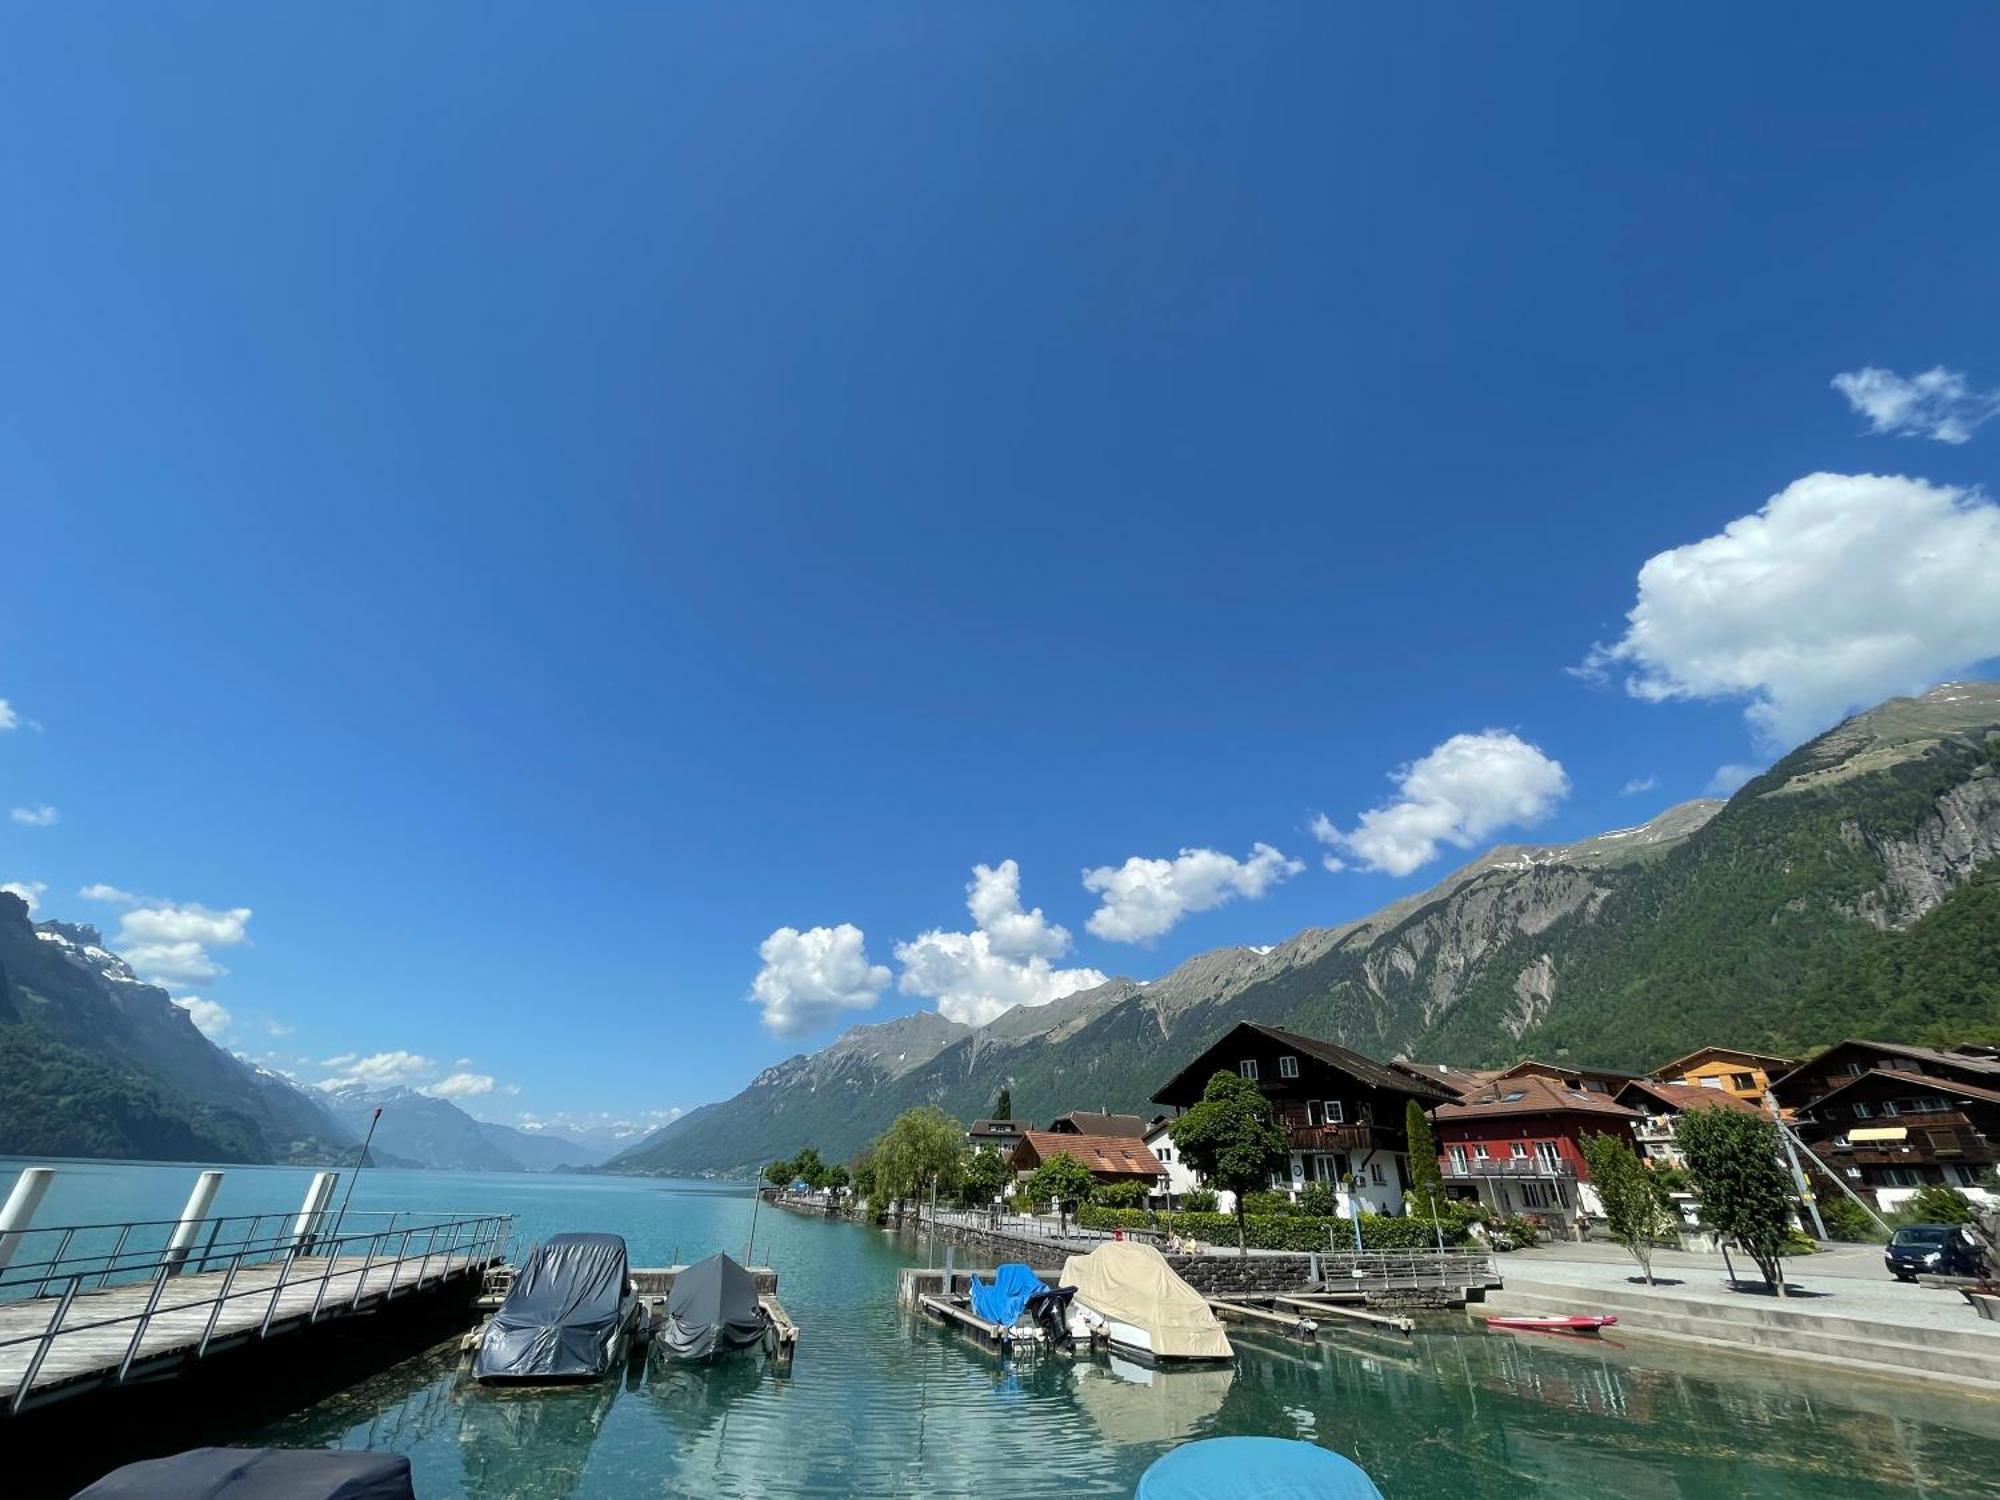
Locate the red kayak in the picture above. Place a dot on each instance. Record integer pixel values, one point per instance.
(1576, 1323)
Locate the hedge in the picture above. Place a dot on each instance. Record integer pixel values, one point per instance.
(1297, 1232)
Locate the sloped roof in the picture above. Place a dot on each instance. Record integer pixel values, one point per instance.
(1679, 1097)
(1964, 1061)
(995, 1127)
(1932, 1083)
(1364, 1069)
(1457, 1080)
(1096, 1122)
(1532, 1094)
(1110, 1155)
(1777, 1064)
(1534, 1065)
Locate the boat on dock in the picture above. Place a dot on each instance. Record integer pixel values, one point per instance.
(1128, 1297)
(570, 1313)
(714, 1309)
(259, 1474)
(1016, 1309)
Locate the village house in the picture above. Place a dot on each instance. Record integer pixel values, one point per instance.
(1177, 1178)
(1002, 1135)
(1660, 1107)
(1515, 1145)
(1342, 1113)
(1741, 1075)
(1112, 1159)
(1097, 1122)
(1891, 1119)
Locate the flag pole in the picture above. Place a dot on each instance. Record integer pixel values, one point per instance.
(361, 1161)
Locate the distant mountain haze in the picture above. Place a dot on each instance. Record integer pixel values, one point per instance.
(1845, 890)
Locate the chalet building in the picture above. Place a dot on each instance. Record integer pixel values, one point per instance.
(1111, 1158)
(1741, 1075)
(1343, 1113)
(1660, 1107)
(1456, 1080)
(1097, 1122)
(1177, 1178)
(1002, 1135)
(1607, 1081)
(1891, 1119)
(1515, 1145)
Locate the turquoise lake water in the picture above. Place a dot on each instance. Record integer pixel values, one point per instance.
(879, 1403)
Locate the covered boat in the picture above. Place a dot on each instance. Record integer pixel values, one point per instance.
(1128, 1294)
(712, 1309)
(259, 1474)
(569, 1315)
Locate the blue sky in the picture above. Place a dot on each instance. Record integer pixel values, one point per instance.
(507, 510)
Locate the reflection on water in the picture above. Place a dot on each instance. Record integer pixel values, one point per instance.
(879, 1402)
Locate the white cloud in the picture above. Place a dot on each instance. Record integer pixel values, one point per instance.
(1004, 962)
(1843, 590)
(40, 815)
(467, 1086)
(810, 977)
(110, 893)
(29, 891)
(378, 1069)
(278, 1028)
(1936, 404)
(1638, 784)
(1145, 897)
(1465, 790)
(994, 898)
(8, 718)
(1727, 779)
(168, 943)
(210, 1019)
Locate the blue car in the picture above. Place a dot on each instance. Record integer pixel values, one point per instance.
(1933, 1250)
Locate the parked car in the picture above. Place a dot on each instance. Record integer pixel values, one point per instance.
(1934, 1249)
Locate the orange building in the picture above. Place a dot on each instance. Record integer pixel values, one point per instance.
(1741, 1075)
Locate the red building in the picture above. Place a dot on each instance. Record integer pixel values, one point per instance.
(1515, 1144)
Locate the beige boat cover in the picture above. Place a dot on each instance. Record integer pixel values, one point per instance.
(1132, 1283)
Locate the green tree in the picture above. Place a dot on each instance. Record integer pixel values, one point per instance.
(808, 1168)
(779, 1174)
(1065, 1181)
(834, 1179)
(986, 1177)
(1230, 1138)
(1003, 1107)
(1746, 1194)
(922, 1147)
(1426, 1181)
(1121, 1195)
(1636, 1207)
(865, 1187)
(1934, 1203)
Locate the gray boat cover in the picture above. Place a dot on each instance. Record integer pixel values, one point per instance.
(259, 1474)
(563, 1313)
(711, 1310)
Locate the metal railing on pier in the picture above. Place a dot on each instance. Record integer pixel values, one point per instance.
(237, 1277)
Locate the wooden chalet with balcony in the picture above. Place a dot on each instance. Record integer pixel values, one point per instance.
(1342, 1113)
(1892, 1119)
(1516, 1144)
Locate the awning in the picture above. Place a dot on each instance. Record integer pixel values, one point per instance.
(1880, 1133)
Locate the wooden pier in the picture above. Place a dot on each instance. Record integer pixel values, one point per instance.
(112, 1305)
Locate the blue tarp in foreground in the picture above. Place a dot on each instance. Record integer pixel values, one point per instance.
(1013, 1284)
(1237, 1468)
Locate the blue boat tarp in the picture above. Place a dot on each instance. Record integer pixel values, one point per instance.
(1001, 1302)
(1239, 1468)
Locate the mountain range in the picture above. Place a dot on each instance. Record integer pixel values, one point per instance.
(1850, 888)
(99, 1063)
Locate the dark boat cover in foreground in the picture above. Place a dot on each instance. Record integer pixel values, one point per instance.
(259, 1474)
(712, 1310)
(563, 1315)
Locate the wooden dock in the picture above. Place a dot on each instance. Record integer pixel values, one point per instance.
(653, 1283)
(142, 1326)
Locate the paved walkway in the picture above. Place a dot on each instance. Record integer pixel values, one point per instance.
(1849, 1282)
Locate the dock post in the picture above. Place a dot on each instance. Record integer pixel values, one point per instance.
(197, 1208)
(319, 1193)
(29, 1190)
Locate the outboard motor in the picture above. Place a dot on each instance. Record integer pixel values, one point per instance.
(1050, 1310)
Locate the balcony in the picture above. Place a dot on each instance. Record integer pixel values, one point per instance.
(1511, 1168)
(1306, 1137)
(1657, 1130)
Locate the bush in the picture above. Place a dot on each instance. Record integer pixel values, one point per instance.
(1293, 1231)
(1936, 1204)
(1319, 1200)
(1798, 1242)
(1121, 1195)
(1199, 1201)
(1847, 1220)
(1269, 1202)
(1515, 1233)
